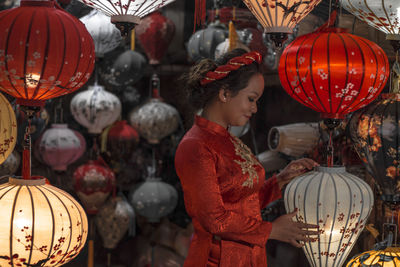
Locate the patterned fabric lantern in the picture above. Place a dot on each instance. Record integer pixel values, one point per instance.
(126, 14)
(121, 139)
(155, 33)
(94, 182)
(375, 133)
(202, 44)
(154, 199)
(10, 166)
(106, 36)
(223, 48)
(382, 15)
(113, 220)
(8, 128)
(389, 257)
(155, 119)
(333, 72)
(294, 139)
(339, 203)
(95, 108)
(60, 146)
(125, 69)
(41, 225)
(279, 18)
(44, 52)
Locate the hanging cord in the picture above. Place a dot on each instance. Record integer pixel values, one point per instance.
(330, 150)
(58, 112)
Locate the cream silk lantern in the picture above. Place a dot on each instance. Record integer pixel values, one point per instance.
(8, 129)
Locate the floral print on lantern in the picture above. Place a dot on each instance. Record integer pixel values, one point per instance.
(8, 129)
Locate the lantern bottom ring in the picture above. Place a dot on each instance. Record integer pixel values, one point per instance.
(125, 23)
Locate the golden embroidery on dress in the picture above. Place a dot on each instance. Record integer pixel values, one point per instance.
(247, 165)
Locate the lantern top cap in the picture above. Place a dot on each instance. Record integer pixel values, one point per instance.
(44, 3)
(334, 169)
(30, 182)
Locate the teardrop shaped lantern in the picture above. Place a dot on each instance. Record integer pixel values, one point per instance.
(126, 14)
(11, 164)
(106, 36)
(93, 183)
(44, 52)
(382, 15)
(8, 128)
(203, 43)
(113, 221)
(121, 140)
(375, 132)
(60, 146)
(95, 108)
(123, 69)
(154, 199)
(155, 119)
(155, 33)
(333, 72)
(339, 203)
(279, 18)
(388, 257)
(41, 225)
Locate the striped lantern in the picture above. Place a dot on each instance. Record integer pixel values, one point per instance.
(40, 224)
(333, 72)
(339, 203)
(8, 128)
(382, 15)
(44, 52)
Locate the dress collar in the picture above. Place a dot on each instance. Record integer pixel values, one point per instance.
(210, 126)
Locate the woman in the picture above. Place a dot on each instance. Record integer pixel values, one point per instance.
(222, 181)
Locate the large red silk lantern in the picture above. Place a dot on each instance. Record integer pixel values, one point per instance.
(155, 33)
(333, 72)
(44, 52)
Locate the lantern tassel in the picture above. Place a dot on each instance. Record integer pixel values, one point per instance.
(330, 150)
(26, 154)
(91, 243)
(133, 40)
(199, 13)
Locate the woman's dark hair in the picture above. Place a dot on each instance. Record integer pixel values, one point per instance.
(237, 80)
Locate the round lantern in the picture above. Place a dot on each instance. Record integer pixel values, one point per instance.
(40, 225)
(294, 139)
(154, 120)
(44, 52)
(60, 146)
(113, 220)
(94, 182)
(382, 15)
(123, 69)
(126, 14)
(202, 44)
(333, 72)
(279, 18)
(8, 128)
(339, 203)
(388, 257)
(121, 139)
(155, 33)
(376, 134)
(223, 48)
(106, 36)
(154, 199)
(95, 108)
(37, 124)
(10, 166)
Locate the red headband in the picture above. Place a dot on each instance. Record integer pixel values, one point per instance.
(233, 64)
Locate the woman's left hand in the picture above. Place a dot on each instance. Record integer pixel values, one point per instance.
(294, 169)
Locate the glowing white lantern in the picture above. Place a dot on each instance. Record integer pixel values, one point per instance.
(339, 203)
(40, 225)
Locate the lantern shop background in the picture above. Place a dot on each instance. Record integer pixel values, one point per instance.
(170, 237)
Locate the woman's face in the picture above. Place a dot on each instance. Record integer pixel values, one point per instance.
(239, 108)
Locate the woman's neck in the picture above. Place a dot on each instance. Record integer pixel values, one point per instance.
(213, 113)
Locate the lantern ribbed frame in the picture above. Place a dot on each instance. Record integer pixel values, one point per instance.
(382, 15)
(8, 129)
(280, 16)
(339, 203)
(40, 225)
(388, 257)
(333, 72)
(44, 52)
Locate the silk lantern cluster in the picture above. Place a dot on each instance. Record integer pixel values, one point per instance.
(36, 61)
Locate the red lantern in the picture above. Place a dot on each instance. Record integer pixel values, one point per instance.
(44, 52)
(94, 182)
(155, 33)
(333, 72)
(121, 139)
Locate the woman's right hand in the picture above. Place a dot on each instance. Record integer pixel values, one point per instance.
(286, 230)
